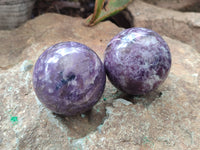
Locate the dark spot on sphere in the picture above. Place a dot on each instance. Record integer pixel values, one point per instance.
(63, 82)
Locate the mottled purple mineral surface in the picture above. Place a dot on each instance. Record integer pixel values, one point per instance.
(137, 61)
(69, 78)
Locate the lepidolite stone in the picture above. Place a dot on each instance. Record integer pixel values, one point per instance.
(137, 61)
(69, 78)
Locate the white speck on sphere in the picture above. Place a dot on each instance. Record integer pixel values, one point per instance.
(148, 40)
(122, 45)
(50, 90)
(40, 77)
(74, 82)
(52, 60)
(152, 81)
(40, 68)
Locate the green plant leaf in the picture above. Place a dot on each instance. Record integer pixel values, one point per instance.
(106, 9)
(97, 10)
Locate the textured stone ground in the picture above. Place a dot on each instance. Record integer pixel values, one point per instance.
(183, 26)
(167, 118)
(182, 5)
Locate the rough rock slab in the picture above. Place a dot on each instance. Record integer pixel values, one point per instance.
(165, 119)
(24, 123)
(49, 29)
(174, 4)
(177, 25)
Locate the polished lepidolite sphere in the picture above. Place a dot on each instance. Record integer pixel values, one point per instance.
(69, 78)
(137, 61)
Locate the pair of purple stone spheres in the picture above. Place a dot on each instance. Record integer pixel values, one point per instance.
(69, 78)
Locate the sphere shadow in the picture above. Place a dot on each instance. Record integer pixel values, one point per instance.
(81, 125)
(146, 100)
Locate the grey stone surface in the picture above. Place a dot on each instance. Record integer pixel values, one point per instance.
(183, 26)
(25, 123)
(167, 118)
(175, 4)
(156, 121)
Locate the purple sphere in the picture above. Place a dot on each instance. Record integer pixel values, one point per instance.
(137, 61)
(69, 78)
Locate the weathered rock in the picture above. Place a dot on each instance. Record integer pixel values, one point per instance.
(167, 118)
(174, 4)
(51, 30)
(15, 12)
(177, 25)
(25, 124)
(12, 45)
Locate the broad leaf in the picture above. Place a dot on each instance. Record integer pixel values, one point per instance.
(97, 10)
(106, 9)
